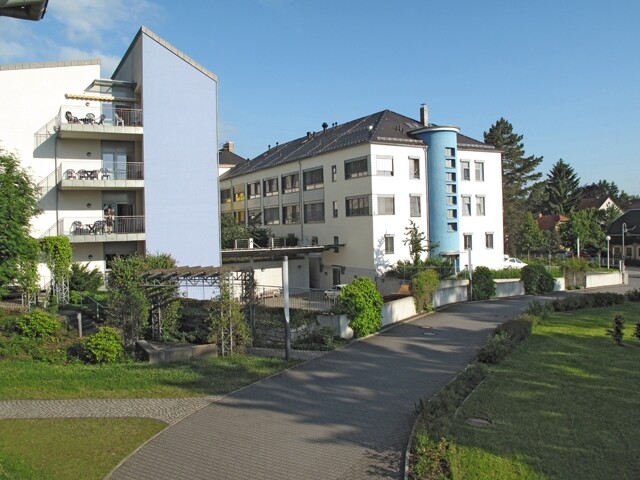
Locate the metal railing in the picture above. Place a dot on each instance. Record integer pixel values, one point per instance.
(74, 226)
(303, 299)
(105, 114)
(100, 170)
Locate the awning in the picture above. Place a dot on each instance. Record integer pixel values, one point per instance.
(99, 98)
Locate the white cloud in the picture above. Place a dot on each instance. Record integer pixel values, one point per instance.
(100, 22)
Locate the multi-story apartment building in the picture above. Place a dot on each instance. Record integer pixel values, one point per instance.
(126, 164)
(356, 186)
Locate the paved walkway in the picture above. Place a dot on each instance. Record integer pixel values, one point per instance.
(169, 410)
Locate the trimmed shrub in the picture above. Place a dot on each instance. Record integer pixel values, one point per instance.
(617, 329)
(537, 280)
(633, 295)
(105, 346)
(38, 324)
(518, 328)
(496, 349)
(423, 286)
(322, 338)
(483, 285)
(588, 300)
(362, 303)
(542, 310)
(636, 331)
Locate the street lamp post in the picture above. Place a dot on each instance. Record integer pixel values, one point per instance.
(608, 238)
(624, 230)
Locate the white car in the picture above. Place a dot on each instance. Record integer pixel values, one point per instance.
(334, 291)
(513, 262)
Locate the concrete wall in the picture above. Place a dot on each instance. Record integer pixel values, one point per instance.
(339, 323)
(398, 310)
(509, 288)
(603, 279)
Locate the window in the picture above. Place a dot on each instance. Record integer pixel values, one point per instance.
(452, 227)
(488, 240)
(452, 213)
(255, 217)
(314, 212)
(468, 241)
(271, 216)
(384, 165)
(334, 173)
(239, 217)
(291, 183)
(451, 188)
(335, 209)
(414, 167)
(414, 205)
(253, 189)
(314, 240)
(313, 179)
(225, 195)
(451, 177)
(356, 168)
(386, 205)
(238, 193)
(449, 152)
(291, 214)
(450, 163)
(466, 205)
(357, 206)
(480, 210)
(466, 170)
(270, 187)
(479, 171)
(388, 244)
(451, 200)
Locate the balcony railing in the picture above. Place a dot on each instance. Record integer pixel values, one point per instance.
(105, 114)
(100, 170)
(98, 225)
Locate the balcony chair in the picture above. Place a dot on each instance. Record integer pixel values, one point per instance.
(105, 173)
(77, 228)
(98, 227)
(100, 119)
(83, 174)
(70, 174)
(119, 121)
(89, 119)
(70, 118)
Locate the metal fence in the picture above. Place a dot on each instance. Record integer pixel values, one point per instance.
(304, 299)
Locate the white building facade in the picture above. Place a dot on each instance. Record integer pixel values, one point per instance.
(355, 187)
(124, 165)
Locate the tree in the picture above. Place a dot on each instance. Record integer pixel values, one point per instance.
(231, 231)
(562, 188)
(518, 175)
(529, 236)
(602, 188)
(362, 303)
(228, 327)
(585, 225)
(18, 205)
(417, 242)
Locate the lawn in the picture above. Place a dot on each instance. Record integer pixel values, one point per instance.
(28, 380)
(565, 405)
(68, 449)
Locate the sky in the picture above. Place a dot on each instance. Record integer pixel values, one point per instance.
(564, 73)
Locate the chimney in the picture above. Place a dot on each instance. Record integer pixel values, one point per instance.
(325, 125)
(424, 115)
(228, 146)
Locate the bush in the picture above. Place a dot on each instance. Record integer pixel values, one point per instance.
(617, 329)
(81, 279)
(423, 286)
(537, 280)
(362, 303)
(483, 285)
(542, 310)
(588, 300)
(38, 324)
(519, 328)
(633, 295)
(636, 331)
(105, 346)
(430, 458)
(322, 338)
(496, 349)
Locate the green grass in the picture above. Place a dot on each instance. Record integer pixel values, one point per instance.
(565, 405)
(28, 380)
(69, 449)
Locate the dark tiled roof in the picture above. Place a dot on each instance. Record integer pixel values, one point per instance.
(634, 206)
(225, 157)
(470, 143)
(632, 219)
(549, 222)
(381, 127)
(594, 202)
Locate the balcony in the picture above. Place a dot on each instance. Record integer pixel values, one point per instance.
(104, 121)
(100, 175)
(96, 229)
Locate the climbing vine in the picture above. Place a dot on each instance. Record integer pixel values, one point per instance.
(57, 256)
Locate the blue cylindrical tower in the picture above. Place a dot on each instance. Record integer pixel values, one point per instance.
(442, 184)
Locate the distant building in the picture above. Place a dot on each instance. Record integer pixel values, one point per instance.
(599, 203)
(356, 186)
(551, 222)
(124, 165)
(227, 158)
(628, 224)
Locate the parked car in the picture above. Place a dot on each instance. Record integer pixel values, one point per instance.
(512, 262)
(333, 292)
